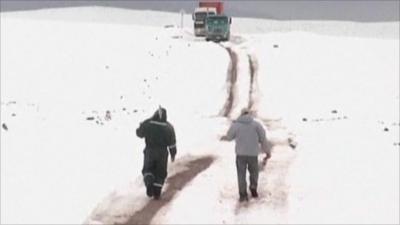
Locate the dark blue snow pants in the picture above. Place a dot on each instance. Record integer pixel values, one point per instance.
(155, 168)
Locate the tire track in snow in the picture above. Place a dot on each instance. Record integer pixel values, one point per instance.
(273, 186)
(253, 68)
(175, 184)
(132, 206)
(231, 83)
(232, 80)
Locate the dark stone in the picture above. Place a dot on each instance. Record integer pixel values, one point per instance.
(304, 119)
(386, 129)
(334, 111)
(4, 126)
(90, 118)
(292, 144)
(13, 114)
(276, 46)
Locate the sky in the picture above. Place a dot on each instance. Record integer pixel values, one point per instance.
(327, 92)
(360, 10)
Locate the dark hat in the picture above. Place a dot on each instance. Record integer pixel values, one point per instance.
(160, 114)
(244, 111)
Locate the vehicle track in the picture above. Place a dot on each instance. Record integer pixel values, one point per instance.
(232, 79)
(175, 184)
(231, 83)
(127, 207)
(253, 95)
(273, 187)
(273, 184)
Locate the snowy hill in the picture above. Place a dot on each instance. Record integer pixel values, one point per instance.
(328, 92)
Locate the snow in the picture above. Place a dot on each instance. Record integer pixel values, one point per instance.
(330, 88)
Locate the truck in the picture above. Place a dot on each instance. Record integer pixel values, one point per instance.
(205, 8)
(218, 5)
(218, 28)
(199, 17)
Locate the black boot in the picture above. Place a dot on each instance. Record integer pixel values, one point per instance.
(148, 181)
(254, 193)
(149, 191)
(157, 192)
(243, 197)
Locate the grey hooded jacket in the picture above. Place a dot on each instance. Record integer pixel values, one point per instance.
(249, 136)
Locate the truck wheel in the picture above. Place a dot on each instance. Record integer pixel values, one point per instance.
(207, 39)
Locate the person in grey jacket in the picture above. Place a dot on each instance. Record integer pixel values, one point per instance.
(250, 139)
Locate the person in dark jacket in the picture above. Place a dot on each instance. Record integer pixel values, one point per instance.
(159, 138)
(250, 139)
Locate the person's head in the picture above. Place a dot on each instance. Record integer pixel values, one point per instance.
(245, 111)
(160, 114)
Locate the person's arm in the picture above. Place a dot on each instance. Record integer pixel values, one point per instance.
(262, 138)
(172, 143)
(140, 131)
(266, 148)
(230, 135)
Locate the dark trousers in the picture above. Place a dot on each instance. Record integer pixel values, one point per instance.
(155, 168)
(244, 163)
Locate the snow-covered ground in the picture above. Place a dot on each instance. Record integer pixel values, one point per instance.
(331, 89)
